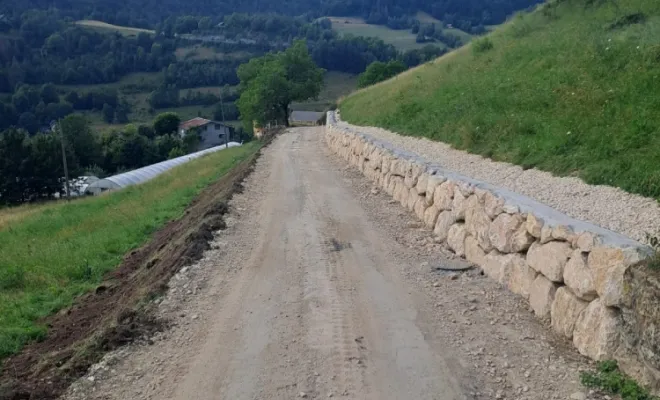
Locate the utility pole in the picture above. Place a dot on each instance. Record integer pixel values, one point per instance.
(57, 126)
(222, 111)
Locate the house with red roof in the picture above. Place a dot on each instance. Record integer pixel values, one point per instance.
(211, 133)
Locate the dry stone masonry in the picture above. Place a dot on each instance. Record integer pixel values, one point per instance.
(590, 284)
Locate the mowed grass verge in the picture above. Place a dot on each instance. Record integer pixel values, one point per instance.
(58, 251)
(572, 88)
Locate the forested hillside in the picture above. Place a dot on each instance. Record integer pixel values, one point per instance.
(84, 61)
(149, 13)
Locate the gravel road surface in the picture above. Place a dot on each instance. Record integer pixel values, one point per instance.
(321, 287)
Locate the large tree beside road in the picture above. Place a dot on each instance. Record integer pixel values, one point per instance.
(269, 84)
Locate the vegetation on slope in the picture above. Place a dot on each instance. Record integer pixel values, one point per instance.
(571, 88)
(52, 253)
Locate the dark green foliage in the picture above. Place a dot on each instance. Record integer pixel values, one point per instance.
(378, 72)
(611, 380)
(166, 123)
(108, 113)
(482, 45)
(629, 19)
(398, 14)
(271, 83)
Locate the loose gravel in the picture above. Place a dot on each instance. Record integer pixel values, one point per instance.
(609, 207)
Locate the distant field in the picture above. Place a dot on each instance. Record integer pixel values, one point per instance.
(147, 79)
(402, 40)
(199, 52)
(428, 19)
(54, 252)
(103, 26)
(337, 85)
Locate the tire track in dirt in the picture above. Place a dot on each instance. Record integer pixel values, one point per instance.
(307, 294)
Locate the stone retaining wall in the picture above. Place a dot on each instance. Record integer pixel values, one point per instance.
(588, 283)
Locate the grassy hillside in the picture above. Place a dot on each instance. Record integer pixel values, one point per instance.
(336, 85)
(51, 253)
(572, 88)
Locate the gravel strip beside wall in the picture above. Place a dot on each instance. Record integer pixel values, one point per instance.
(608, 207)
(590, 284)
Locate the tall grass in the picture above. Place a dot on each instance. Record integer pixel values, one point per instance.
(52, 253)
(572, 88)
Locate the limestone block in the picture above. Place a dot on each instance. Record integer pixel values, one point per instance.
(481, 194)
(549, 259)
(541, 295)
(608, 266)
(422, 184)
(431, 217)
(400, 191)
(386, 161)
(390, 181)
(458, 205)
(466, 189)
(578, 277)
(546, 234)
(586, 241)
(473, 252)
(520, 276)
(398, 167)
(433, 182)
(508, 234)
(534, 225)
(403, 193)
(477, 222)
(511, 209)
(597, 329)
(443, 224)
(420, 207)
(494, 205)
(641, 316)
(456, 239)
(497, 265)
(563, 232)
(444, 193)
(412, 172)
(565, 311)
(411, 199)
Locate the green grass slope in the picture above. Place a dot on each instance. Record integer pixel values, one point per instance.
(572, 88)
(52, 253)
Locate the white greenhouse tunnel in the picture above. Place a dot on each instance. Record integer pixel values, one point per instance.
(144, 174)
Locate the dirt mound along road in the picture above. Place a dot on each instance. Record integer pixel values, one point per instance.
(115, 314)
(322, 288)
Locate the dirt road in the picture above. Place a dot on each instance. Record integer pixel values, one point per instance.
(316, 291)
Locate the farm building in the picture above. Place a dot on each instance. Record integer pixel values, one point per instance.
(305, 117)
(144, 174)
(212, 133)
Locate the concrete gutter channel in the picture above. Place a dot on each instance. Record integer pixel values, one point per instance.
(590, 284)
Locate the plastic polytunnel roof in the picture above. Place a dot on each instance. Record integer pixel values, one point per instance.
(144, 174)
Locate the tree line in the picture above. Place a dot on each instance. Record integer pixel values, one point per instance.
(31, 165)
(394, 13)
